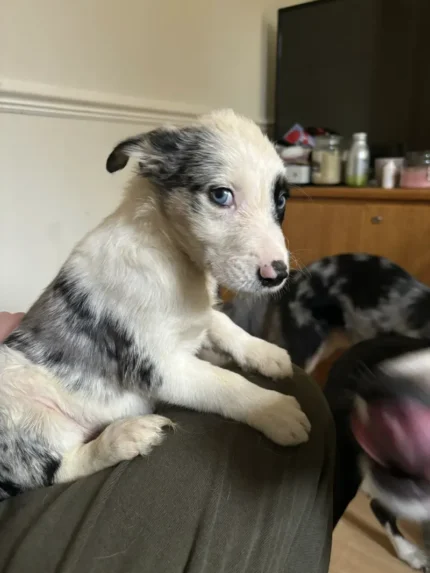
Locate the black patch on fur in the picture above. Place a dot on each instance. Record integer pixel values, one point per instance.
(51, 466)
(9, 489)
(55, 356)
(165, 141)
(368, 281)
(321, 303)
(302, 342)
(323, 306)
(385, 517)
(280, 188)
(326, 262)
(419, 313)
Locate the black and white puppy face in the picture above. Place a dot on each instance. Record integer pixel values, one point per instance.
(222, 186)
(392, 425)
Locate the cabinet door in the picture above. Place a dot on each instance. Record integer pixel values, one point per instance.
(400, 232)
(317, 228)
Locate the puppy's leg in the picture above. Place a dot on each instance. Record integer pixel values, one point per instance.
(197, 384)
(214, 355)
(316, 358)
(249, 352)
(122, 440)
(405, 550)
(336, 340)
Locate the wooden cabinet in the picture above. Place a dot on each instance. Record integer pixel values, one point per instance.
(316, 228)
(392, 223)
(400, 232)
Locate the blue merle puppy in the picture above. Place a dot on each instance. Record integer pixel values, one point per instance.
(334, 303)
(127, 319)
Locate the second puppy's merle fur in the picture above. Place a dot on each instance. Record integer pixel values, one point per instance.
(334, 303)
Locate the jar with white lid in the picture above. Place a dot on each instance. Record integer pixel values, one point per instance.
(327, 160)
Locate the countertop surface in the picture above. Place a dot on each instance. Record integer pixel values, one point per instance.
(368, 193)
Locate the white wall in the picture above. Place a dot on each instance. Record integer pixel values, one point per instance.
(75, 77)
(210, 53)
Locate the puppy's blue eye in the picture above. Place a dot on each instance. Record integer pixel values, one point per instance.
(281, 202)
(222, 196)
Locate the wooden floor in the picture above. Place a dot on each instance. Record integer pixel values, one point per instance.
(360, 544)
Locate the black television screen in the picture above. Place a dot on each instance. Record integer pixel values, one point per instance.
(356, 65)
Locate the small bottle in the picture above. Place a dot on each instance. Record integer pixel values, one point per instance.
(357, 166)
(389, 175)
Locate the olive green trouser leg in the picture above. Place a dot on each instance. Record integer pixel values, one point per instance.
(215, 497)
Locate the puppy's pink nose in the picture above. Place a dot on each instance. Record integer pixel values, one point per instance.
(273, 274)
(267, 272)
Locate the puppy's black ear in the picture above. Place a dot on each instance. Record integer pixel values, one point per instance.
(148, 148)
(119, 156)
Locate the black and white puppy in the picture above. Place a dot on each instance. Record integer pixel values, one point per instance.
(123, 323)
(379, 394)
(336, 302)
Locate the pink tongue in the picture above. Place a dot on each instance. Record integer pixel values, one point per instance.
(396, 433)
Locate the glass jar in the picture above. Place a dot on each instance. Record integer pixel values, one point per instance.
(326, 160)
(416, 170)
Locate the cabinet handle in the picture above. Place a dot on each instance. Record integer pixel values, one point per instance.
(376, 220)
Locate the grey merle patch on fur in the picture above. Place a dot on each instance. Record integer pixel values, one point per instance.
(63, 333)
(25, 462)
(171, 158)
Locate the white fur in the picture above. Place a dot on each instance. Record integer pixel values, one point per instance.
(407, 551)
(415, 365)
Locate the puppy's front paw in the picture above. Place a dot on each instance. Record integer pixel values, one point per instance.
(281, 419)
(127, 438)
(413, 556)
(268, 359)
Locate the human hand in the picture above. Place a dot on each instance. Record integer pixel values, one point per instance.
(8, 322)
